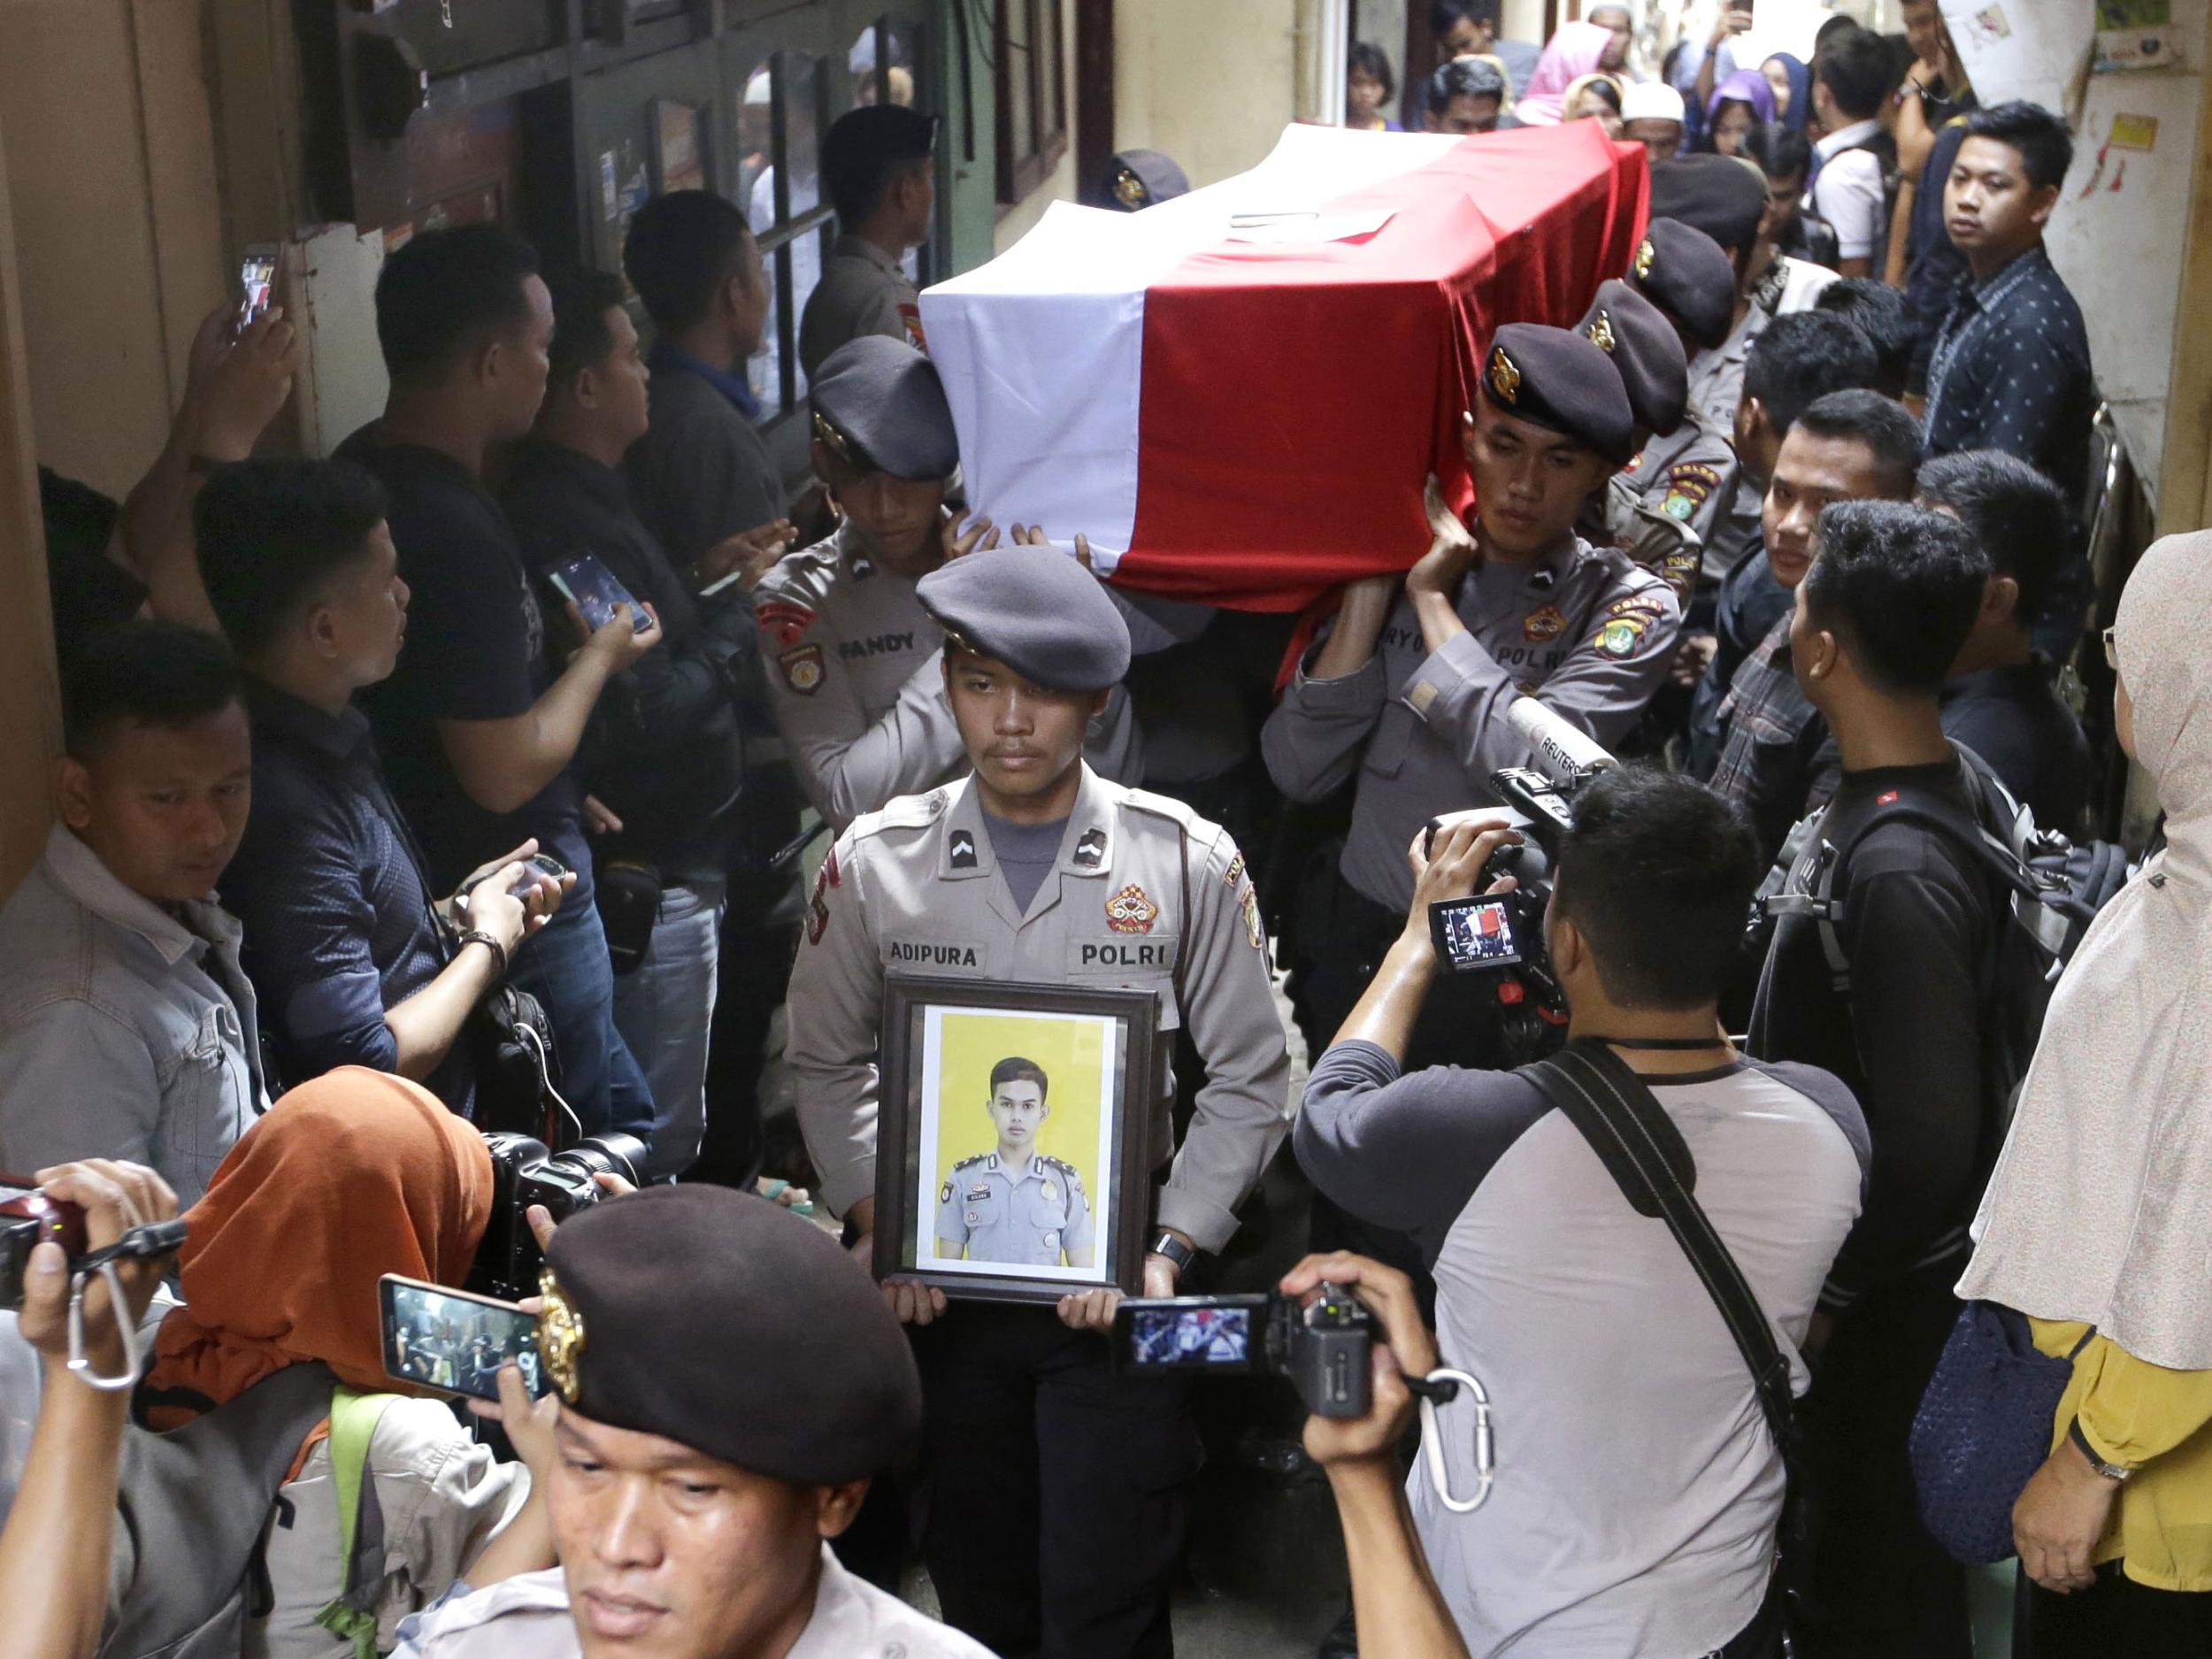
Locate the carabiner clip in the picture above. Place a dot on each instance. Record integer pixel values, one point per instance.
(1441, 1385)
(128, 1378)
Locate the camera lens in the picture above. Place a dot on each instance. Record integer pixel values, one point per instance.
(604, 1154)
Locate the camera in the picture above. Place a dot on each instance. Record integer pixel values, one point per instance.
(1322, 1345)
(525, 1173)
(29, 1218)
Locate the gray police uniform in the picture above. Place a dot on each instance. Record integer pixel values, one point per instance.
(1038, 1217)
(528, 1617)
(863, 291)
(1587, 631)
(1145, 895)
(1664, 506)
(854, 675)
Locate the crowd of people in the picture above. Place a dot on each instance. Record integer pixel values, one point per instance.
(456, 789)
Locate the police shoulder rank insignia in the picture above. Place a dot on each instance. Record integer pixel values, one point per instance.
(962, 848)
(802, 669)
(1645, 254)
(1543, 624)
(1253, 930)
(1505, 376)
(1620, 637)
(786, 619)
(1601, 333)
(560, 1336)
(1090, 848)
(1131, 911)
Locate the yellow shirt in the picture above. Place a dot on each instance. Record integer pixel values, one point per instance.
(2148, 1419)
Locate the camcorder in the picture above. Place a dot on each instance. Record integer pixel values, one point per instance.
(1502, 935)
(525, 1173)
(1322, 1345)
(29, 1218)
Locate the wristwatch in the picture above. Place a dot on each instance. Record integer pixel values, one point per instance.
(2110, 1472)
(1176, 1251)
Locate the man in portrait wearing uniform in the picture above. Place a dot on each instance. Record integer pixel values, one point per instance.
(853, 655)
(1408, 692)
(880, 166)
(729, 1383)
(1016, 1203)
(1034, 870)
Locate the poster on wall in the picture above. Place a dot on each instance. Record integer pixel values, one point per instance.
(2136, 34)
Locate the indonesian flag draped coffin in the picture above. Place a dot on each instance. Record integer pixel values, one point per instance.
(1238, 394)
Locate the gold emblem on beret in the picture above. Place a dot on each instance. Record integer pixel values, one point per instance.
(1645, 254)
(1601, 333)
(560, 1336)
(1129, 189)
(1505, 376)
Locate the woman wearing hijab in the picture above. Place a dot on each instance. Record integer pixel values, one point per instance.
(1738, 105)
(1595, 97)
(1791, 82)
(1579, 49)
(351, 1176)
(2098, 1216)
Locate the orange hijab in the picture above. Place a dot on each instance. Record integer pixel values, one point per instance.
(354, 1175)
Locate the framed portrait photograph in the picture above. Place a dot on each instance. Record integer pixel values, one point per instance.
(1013, 1155)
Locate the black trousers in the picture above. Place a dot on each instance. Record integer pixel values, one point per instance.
(1053, 1488)
(1881, 1587)
(2114, 1617)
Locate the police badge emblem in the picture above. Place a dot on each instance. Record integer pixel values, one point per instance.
(1601, 333)
(560, 1336)
(1645, 255)
(1505, 376)
(1130, 910)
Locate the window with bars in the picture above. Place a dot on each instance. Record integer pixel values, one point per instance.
(1033, 118)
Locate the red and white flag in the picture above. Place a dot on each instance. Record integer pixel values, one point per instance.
(1237, 394)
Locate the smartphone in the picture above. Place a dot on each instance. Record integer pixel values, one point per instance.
(1216, 1333)
(455, 1340)
(256, 282)
(1471, 933)
(591, 587)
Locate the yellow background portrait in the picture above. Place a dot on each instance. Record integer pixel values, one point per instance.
(1073, 1054)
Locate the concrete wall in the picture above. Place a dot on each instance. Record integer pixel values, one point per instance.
(112, 171)
(1212, 85)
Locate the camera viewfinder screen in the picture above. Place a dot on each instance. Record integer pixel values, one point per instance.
(1479, 934)
(1190, 1337)
(456, 1342)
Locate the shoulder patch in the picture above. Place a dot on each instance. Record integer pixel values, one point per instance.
(784, 620)
(802, 669)
(1622, 636)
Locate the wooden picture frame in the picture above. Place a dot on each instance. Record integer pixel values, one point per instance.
(948, 1137)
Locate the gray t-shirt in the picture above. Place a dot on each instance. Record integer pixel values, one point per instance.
(1025, 853)
(1638, 1488)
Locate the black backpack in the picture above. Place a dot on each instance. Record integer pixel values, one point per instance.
(2053, 890)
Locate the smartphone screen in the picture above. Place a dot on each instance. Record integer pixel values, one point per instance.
(1193, 1334)
(591, 587)
(454, 1340)
(256, 277)
(1474, 934)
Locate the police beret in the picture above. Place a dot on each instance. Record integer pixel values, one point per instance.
(728, 1324)
(1559, 379)
(884, 408)
(1683, 271)
(1719, 195)
(1138, 179)
(1644, 350)
(1034, 609)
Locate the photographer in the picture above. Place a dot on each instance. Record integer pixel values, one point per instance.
(729, 1383)
(1645, 1489)
(54, 1550)
(1400, 1612)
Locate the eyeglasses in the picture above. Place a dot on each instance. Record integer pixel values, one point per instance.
(2111, 655)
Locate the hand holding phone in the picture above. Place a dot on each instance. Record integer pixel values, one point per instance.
(257, 283)
(591, 587)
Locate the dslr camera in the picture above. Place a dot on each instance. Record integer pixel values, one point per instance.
(1322, 1345)
(29, 1218)
(525, 1173)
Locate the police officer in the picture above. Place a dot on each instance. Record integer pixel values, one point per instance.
(1138, 179)
(1016, 1203)
(1687, 474)
(1408, 694)
(729, 1382)
(1055, 1509)
(879, 168)
(853, 657)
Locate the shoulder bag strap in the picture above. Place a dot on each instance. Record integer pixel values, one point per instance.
(1646, 1154)
(353, 1420)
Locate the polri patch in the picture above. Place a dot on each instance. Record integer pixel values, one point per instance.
(1620, 637)
(802, 669)
(786, 620)
(1132, 910)
(1253, 930)
(1542, 625)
